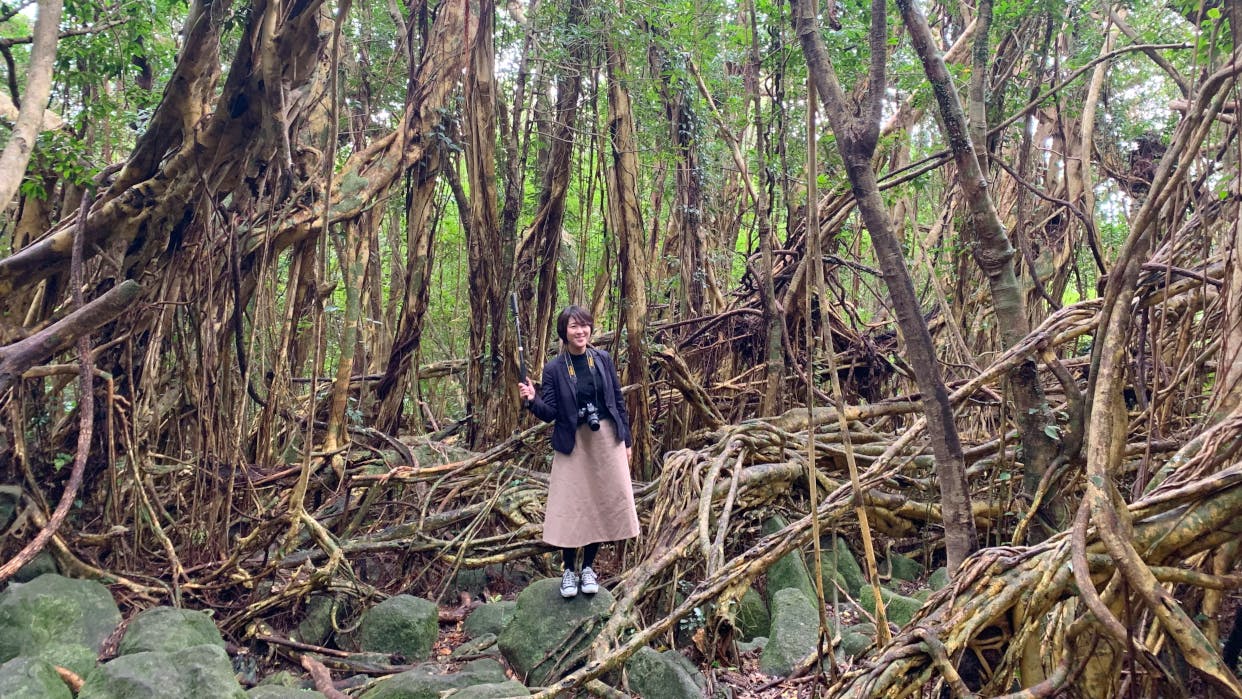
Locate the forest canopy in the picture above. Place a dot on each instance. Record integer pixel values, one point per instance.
(954, 281)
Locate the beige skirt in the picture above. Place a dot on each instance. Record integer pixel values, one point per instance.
(590, 496)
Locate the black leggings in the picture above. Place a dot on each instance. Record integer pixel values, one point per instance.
(569, 556)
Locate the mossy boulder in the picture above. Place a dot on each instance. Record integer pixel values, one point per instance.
(939, 579)
(489, 618)
(43, 563)
(58, 619)
(31, 678)
(493, 690)
(543, 622)
(838, 562)
(856, 639)
(271, 691)
(432, 680)
(402, 624)
(667, 675)
(898, 609)
(752, 618)
(789, 571)
(795, 632)
(198, 672)
(168, 629)
(315, 627)
(904, 568)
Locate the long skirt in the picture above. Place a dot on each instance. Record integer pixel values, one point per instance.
(590, 496)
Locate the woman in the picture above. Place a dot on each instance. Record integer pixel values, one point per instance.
(590, 498)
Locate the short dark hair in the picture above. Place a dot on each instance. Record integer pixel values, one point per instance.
(577, 313)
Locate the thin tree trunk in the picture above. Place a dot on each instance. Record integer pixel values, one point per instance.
(992, 250)
(17, 151)
(492, 400)
(621, 174)
(856, 141)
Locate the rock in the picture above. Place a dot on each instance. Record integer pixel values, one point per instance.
(897, 608)
(401, 624)
(752, 617)
(60, 620)
(429, 681)
(316, 626)
(756, 643)
(790, 570)
(939, 579)
(483, 645)
(838, 560)
(31, 678)
(471, 580)
(282, 678)
(667, 675)
(41, 564)
(904, 568)
(199, 672)
(271, 691)
(10, 497)
(795, 633)
(168, 629)
(543, 622)
(488, 618)
(493, 690)
(856, 639)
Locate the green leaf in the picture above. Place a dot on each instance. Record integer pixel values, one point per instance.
(1053, 431)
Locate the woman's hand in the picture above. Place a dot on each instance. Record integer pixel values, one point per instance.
(526, 390)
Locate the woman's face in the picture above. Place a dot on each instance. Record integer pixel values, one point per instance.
(576, 336)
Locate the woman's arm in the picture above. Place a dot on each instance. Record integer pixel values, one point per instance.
(545, 405)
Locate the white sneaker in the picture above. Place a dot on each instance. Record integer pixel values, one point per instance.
(569, 584)
(590, 584)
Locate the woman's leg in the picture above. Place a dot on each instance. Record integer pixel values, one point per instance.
(588, 554)
(569, 557)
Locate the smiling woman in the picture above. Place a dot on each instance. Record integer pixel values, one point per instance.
(590, 497)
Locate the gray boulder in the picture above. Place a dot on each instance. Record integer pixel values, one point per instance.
(790, 571)
(838, 561)
(200, 672)
(31, 678)
(795, 632)
(271, 691)
(401, 624)
(898, 609)
(430, 681)
(752, 618)
(168, 629)
(756, 643)
(667, 675)
(488, 618)
(483, 645)
(939, 579)
(44, 562)
(856, 639)
(904, 568)
(315, 627)
(543, 622)
(494, 690)
(60, 620)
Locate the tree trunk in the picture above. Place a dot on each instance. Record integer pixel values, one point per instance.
(624, 220)
(856, 141)
(491, 382)
(991, 247)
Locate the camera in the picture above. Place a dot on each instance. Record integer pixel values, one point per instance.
(590, 415)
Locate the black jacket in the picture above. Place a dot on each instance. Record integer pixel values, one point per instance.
(558, 401)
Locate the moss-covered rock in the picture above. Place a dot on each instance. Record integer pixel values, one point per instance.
(60, 620)
(493, 690)
(402, 624)
(752, 617)
(168, 629)
(431, 680)
(488, 618)
(667, 675)
(199, 672)
(543, 622)
(904, 568)
(271, 691)
(31, 678)
(838, 562)
(795, 632)
(898, 609)
(789, 571)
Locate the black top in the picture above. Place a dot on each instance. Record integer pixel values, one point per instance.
(558, 400)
